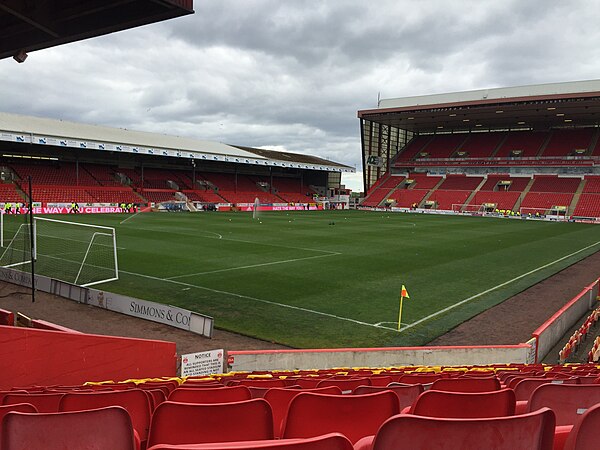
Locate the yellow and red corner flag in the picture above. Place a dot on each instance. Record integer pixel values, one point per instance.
(403, 295)
(404, 292)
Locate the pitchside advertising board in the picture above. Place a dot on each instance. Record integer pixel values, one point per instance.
(156, 312)
(202, 363)
(67, 208)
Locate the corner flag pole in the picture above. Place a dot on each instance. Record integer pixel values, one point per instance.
(403, 295)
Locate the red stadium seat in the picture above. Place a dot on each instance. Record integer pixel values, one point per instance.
(274, 382)
(533, 431)
(355, 416)
(345, 384)
(406, 394)
(568, 401)
(17, 407)
(280, 398)
(584, 435)
(44, 403)
(331, 441)
(135, 402)
(464, 404)
(467, 384)
(187, 423)
(216, 395)
(524, 387)
(106, 428)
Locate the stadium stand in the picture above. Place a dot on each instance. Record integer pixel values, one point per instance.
(569, 142)
(463, 405)
(460, 182)
(522, 144)
(481, 145)
(553, 183)
(443, 145)
(446, 199)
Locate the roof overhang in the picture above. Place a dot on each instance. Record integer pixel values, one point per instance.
(59, 133)
(26, 26)
(531, 107)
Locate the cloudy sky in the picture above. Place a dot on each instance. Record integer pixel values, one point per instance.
(292, 74)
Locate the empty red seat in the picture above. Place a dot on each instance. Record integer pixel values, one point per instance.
(464, 404)
(533, 431)
(584, 435)
(215, 395)
(274, 382)
(280, 398)
(406, 394)
(464, 384)
(17, 407)
(331, 441)
(355, 416)
(42, 402)
(568, 401)
(524, 387)
(134, 401)
(347, 385)
(187, 423)
(106, 428)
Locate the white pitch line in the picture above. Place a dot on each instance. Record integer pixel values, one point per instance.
(247, 297)
(229, 269)
(462, 302)
(247, 242)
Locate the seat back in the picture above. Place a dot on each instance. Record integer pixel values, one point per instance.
(347, 385)
(280, 398)
(134, 401)
(566, 400)
(215, 395)
(584, 435)
(17, 407)
(185, 423)
(331, 441)
(465, 404)
(406, 394)
(355, 416)
(272, 382)
(533, 431)
(42, 402)
(525, 386)
(466, 384)
(105, 428)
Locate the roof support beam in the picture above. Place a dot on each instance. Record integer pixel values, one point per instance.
(20, 10)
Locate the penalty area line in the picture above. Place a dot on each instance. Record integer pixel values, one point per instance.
(260, 300)
(512, 280)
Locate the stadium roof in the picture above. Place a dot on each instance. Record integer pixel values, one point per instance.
(541, 106)
(51, 132)
(33, 25)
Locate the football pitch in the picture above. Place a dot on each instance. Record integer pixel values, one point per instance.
(332, 279)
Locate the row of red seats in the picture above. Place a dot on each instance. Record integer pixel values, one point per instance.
(558, 143)
(361, 417)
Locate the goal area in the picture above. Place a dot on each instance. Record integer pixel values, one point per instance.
(76, 253)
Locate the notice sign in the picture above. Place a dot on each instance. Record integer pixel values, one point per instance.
(202, 363)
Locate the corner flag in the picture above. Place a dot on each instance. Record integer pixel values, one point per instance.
(404, 292)
(403, 295)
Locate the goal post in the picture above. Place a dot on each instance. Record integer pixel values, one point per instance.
(470, 208)
(77, 253)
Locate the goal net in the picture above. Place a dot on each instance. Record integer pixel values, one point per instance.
(460, 207)
(77, 253)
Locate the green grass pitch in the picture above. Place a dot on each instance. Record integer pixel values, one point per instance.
(332, 279)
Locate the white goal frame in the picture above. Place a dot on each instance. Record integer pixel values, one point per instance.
(109, 232)
(101, 231)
